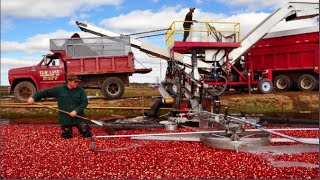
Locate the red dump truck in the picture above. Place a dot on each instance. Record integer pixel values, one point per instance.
(101, 63)
(290, 59)
(283, 60)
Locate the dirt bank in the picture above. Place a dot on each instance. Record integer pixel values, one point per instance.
(291, 102)
(301, 103)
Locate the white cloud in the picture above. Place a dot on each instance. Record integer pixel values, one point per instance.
(253, 5)
(156, 74)
(247, 23)
(6, 25)
(18, 62)
(36, 44)
(140, 21)
(9, 63)
(50, 8)
(144, 20)
(73, 19)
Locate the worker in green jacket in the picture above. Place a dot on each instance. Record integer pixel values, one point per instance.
(71, 98)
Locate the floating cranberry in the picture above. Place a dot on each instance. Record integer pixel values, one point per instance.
(38, 152)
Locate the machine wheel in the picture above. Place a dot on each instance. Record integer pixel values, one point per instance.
(282, 83)
(112, 88)
(265, 86)
(23, 91)
(307, 82)
(172, 89)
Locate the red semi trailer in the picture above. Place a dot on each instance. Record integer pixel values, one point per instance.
(283, 60)
(101, 63)
(288, 58)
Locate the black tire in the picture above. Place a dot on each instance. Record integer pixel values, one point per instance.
(283, 83)
(23, 90)
(112, 88)
(102, 92)
(172, 89)
(307, 82)
(265, 86)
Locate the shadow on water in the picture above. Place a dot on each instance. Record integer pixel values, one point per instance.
(304, 115)
(310, 118)
(4, 121)
(299, 118)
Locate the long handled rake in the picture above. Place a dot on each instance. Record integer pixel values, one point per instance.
(109, 130)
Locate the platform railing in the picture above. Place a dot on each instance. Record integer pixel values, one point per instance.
(204, 31)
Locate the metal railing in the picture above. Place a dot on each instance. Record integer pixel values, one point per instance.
(90, 47)
(204, 32)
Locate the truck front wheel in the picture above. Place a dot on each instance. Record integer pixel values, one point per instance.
(23, 90)
(265, 86)
(282, 83)
(112, 88)
(307, 82)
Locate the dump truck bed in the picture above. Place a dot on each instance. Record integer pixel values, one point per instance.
(98, 55)
(101, 65)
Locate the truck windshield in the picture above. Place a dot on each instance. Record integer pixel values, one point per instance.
(51, 61)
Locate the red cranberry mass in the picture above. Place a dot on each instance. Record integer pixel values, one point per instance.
(38, 152)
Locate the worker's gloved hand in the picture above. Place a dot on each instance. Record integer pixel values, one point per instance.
(30, 100)
(73, 113)
(195, 21)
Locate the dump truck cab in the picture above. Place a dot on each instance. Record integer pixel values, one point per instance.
(25, 81)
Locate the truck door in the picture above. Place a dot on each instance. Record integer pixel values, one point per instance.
(51, 72)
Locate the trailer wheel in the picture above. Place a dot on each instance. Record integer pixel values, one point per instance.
(112, 88)
(307, 82)
(172, 89)
(265, 86)
(282, 83)
(23, 90)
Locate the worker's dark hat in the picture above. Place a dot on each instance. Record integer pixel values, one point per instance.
(192, 8)
(73, 77)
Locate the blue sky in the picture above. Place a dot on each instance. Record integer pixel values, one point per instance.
(27, 25)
